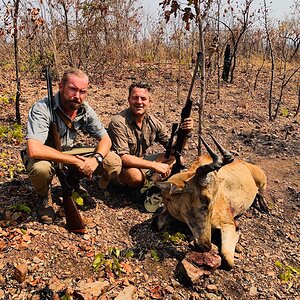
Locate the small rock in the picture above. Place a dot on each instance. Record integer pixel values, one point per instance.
(246, 269)
(93, 288)
(209, 259)
(2, 280)
(239, 248)
(211, 296)
(36, 260)
(20, 272)
(169, 289)
(175, 283)
(253, 291)
(192, 273)
(212, 288)
(127, 293)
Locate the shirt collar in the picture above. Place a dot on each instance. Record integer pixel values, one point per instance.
(131, 119)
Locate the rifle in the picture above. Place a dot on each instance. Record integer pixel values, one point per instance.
(182, 134)
(74, 222)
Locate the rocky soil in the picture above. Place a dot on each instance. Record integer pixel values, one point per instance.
(46, 261)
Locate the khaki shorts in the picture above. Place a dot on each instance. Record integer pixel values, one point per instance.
(41, 172)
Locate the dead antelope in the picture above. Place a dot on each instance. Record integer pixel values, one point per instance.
(210, 195)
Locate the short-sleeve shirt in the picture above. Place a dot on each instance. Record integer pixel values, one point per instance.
(39, 119)
(128, 138)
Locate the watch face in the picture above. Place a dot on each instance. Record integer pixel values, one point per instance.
(99, 158)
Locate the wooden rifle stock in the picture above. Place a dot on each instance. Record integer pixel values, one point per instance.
(74, 222)
(185, 113)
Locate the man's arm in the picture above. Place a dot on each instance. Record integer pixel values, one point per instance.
(104, 145)
(37, 150)
(131, 161)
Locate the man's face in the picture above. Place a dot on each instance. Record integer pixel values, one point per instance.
(139, 101)
(73, 92)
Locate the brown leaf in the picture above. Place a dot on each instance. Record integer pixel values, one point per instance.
(26, 238)
(156, 292)
(2, 244)
(90, 254)
(126, 267)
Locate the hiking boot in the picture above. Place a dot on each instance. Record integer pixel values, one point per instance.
(45, 211)
(88, 201)
(153, 199)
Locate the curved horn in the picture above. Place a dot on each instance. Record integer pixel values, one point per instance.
(228, 157)
(215, 165)
(213, 155)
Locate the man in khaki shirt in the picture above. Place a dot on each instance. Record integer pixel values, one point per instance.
(133, 131)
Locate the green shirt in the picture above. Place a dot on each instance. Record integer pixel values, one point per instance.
(128, 138)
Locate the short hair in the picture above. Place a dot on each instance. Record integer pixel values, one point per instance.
(141, 85)
(68, 73)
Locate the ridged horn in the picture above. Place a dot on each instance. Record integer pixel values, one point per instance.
(215, 165)
(228, 157)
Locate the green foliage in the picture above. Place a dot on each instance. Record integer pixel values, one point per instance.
(77, 198)
(66, 296)
(288, 274)
(36, 61)
(20, 207)
(112, 261)
(155, 255)
(285, 112)
(7, 168)
(12, 132)
(5, 99)
(173, 238)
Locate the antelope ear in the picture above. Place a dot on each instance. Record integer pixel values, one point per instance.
(169, 187)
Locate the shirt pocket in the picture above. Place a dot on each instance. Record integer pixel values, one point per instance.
(132, 144)
(149, 138)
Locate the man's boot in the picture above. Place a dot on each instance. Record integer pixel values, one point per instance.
(45, 211)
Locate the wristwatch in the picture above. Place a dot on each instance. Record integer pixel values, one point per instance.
(99, 158)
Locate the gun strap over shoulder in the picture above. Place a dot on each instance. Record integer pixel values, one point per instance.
(67, 121)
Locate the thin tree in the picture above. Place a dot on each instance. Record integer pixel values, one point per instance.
(270, 45)
(194, 11)
(11, 18)
(16, 56)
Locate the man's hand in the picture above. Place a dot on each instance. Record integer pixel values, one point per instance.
(187, 124)
(87, 165)
(161, 168)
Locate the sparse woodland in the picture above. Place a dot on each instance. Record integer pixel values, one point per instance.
(247, 94)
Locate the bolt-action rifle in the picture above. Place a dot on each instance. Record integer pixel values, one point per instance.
(74, 222)
(181, 134)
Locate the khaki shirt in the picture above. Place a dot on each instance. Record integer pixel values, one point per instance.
(128, 138)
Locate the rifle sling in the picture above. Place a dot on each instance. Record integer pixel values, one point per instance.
(65, 119)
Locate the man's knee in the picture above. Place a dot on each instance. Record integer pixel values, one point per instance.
(40, 169)
(132, 177)
(40, 174)
(112, 165)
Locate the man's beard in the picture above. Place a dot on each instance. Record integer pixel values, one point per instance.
(73, 104)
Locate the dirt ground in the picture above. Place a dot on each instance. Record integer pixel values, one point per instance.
(60, 264)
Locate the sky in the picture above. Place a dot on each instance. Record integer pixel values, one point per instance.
(280, 8)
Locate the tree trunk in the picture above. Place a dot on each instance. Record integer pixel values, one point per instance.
(227, 63)
(16, 54)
